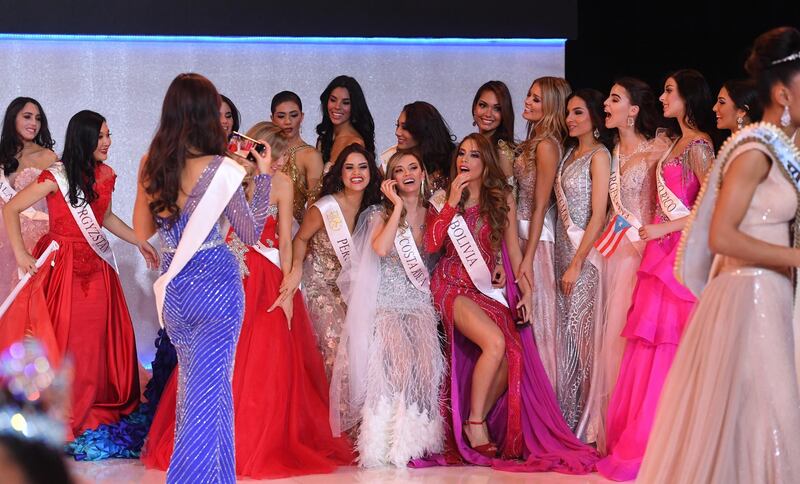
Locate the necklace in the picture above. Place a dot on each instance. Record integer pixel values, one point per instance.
(624, 157)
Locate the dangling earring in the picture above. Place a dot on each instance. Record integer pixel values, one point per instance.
(474, 123)
(786, 118)
(596, 133)
(739, 122)
(630, 121)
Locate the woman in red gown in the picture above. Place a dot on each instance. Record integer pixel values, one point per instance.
(280, 392)
(83, 301)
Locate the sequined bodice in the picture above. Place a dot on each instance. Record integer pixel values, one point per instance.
(246, 223)
(323, 259)
(525, 175)
(396, 290)
(299, 182)
(269, 236)
(576, 182)
(679, 176)
(638, 182)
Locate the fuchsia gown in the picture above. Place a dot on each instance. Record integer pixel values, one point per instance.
(656, 320)
(526, 421)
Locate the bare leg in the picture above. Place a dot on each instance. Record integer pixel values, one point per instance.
(476, 326)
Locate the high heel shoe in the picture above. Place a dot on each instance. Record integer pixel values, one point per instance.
(488, 449)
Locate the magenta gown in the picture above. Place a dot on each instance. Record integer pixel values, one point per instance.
(658, 315)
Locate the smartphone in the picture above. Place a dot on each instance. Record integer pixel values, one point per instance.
(241, 143)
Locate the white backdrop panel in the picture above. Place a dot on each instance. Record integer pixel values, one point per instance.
(125, 81)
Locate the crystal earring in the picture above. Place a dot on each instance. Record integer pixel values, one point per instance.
(630, 121)
(596, 133)
(739, 122)
(786, 118)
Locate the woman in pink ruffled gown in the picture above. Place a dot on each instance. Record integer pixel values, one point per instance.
(660, 305)
(25, 150)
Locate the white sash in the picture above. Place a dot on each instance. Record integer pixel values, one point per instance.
(336, 227)
(671, 205)
(614, 183)
(548, 227)
(270, 253)
(84, 216)
(23, 280)
(7, 192)
(574, 232)
(469, 252)
(226, 181)
(415, 268)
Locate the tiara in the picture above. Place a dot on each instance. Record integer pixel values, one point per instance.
(788, 58)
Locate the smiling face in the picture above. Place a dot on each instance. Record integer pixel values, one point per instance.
(355, 172)
(469, 161)
(579, 122)
(672, 101)
(533, 110)
(288, 117)
(407, 172)
(618, 108)
(226, 118)
(103, 144)
(339, 106)
(405, 140)
(726, 111)
(487, 112)
(28, 122)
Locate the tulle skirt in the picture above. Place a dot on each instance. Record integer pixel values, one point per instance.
(730, 408)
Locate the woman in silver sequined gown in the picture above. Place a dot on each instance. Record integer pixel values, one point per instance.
(582, 186)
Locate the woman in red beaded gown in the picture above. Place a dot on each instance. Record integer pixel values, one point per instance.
(78, 301)
(499, 403)
(280, 392)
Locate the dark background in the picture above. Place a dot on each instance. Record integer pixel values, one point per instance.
(607, 39)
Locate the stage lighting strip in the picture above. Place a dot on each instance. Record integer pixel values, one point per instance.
(455, 41)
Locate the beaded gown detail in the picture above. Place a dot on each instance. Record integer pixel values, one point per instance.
(326, 307)
(525, 422)
(78, 304)
(399, 416)
(302, 194)
(203, 315)
(660, 309)
(730, 408)
(544, 295)
(32, 231)
(280, 393)
(579, 312)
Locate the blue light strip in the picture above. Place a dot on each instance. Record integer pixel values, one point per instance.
(291, 40)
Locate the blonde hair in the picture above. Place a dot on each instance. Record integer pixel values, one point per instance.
(269, 132)
(553, 124)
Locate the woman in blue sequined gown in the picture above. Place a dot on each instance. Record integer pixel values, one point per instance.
(204, 302)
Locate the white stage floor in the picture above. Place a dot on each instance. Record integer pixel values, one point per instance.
(123, 471)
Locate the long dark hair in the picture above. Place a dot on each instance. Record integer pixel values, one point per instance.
(360, 117)
(189, 126)
(83, 131)
(430, 130)
(494, 189)
(594, 103)
(768, 63)
(10, 142)
(650, 117)
(698, 103)
(237, 117)
(505, 131)
(332, 181)
(744, 94)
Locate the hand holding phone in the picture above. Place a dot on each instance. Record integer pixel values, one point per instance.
(241, 145)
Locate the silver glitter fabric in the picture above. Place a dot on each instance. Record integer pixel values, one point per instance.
(203, 313)
(401, 418)
(576, 312)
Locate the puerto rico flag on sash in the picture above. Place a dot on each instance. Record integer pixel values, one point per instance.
(611, 237)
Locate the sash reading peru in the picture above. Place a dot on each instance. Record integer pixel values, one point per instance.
(336, 227)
